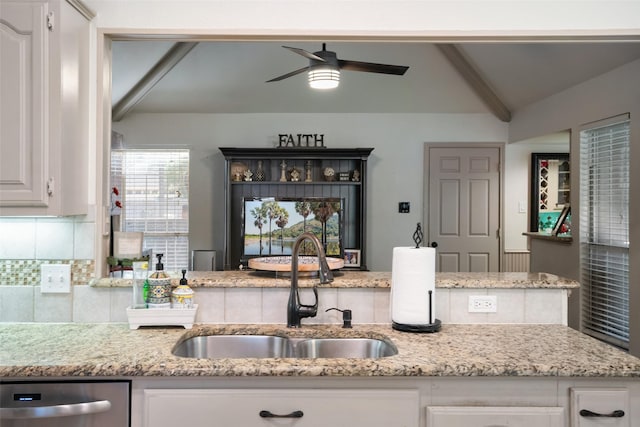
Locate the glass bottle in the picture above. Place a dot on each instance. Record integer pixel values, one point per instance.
(140, 273)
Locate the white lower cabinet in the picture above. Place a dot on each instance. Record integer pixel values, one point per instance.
(281, 407)
(592, 407)
(498, 416)
(384, 401)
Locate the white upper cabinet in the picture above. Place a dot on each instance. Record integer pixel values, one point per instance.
(44, 107)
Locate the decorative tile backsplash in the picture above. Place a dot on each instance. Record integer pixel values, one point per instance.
(27, 243)
(88, 304)
(26, 272)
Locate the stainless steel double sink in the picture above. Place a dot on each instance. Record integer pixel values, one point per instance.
(267, 346)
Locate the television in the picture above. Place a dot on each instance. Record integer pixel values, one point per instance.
(271, 225)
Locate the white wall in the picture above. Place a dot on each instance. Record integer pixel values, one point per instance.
(360, 17)
(395, 166)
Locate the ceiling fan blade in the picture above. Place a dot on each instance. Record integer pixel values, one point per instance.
(371, 67)
(291, 74)
(304, 53)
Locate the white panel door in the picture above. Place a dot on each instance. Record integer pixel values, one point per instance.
(464, 206)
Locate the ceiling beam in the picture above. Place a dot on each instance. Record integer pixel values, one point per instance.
(475, 80)
(151, 78)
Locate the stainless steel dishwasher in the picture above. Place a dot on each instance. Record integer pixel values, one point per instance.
(65, 403)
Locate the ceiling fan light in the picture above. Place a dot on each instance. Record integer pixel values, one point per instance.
(324, 78)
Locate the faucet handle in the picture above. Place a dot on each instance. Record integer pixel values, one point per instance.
(346, 316)
(315, 304)
(310, 310)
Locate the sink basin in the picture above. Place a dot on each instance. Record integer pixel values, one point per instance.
(361, 348)
(233, 346)
(266, 346)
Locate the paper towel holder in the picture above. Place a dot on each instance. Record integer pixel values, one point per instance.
(418, 235)
(433, 326)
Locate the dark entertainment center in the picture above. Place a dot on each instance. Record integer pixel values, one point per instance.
(332, 177)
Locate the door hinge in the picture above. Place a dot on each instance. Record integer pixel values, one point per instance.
(50, 21)
(50, 187)
(498, 234)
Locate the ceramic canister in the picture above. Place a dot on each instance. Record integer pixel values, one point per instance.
(182, 297)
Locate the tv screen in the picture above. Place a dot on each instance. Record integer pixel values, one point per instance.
(271, 225)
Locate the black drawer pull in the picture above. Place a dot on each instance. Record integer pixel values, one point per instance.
(269, 414)
(618, 413)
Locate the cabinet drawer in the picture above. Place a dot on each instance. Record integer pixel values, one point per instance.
(242, 407)
(494, 416)
(600, 401)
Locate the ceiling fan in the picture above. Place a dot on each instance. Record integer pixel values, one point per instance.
(324, 68)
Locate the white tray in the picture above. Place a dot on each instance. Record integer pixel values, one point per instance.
(161, 317)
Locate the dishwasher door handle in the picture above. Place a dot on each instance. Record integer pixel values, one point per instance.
(84, 408)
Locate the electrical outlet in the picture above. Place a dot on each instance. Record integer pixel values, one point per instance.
(55, 278)
(483, 304)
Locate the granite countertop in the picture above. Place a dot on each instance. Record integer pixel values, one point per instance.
(113, 350)
(359, 279)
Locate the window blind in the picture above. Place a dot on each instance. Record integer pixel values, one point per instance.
(154, 186)
(604, 230)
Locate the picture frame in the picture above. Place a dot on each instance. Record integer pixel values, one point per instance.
(561, 219)
(550, 189)
(127, 244)
(352, 257)
(324, 218)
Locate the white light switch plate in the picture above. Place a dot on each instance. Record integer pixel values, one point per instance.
(55, 278)
(522, 207)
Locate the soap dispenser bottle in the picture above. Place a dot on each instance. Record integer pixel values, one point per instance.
(159, 287)
(182, 296)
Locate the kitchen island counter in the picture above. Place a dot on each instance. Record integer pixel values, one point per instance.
(360, 279)
(113, 350)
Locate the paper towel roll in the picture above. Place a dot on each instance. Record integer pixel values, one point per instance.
(413, 275)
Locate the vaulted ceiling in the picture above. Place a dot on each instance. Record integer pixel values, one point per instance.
(230, 77)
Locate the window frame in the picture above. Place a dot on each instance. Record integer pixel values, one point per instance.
(604, 245)
(165, 229)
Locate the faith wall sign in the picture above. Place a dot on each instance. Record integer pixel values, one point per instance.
(301, 140)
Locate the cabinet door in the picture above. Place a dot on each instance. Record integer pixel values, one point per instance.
(210, 408)
(605, 406)
(483, 416)
(23, 85)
